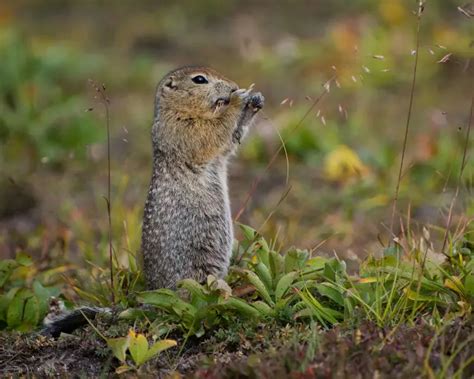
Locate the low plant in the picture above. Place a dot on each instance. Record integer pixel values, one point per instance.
(135, 348)
(25, 292)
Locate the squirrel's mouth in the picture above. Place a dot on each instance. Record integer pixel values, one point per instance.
(221, 101)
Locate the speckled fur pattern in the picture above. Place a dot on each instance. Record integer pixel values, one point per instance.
(187, 225)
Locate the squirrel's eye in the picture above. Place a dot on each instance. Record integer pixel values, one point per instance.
(199, 79)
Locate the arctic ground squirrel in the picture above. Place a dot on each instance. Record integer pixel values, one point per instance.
(200, 118)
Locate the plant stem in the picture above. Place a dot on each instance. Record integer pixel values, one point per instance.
(410, 108)
(461, 171)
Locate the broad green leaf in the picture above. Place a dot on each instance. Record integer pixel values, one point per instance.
(330, 291)
(241, 306)
(165, 299)
(277, 264)
(138, 347)
(136, 314)
(259, 286)
(265, 275)
(284, 284)
(5, 301)
(317, 263)
(413, 295)
(6, 268)
(295, 259)
(469, 284)
(43, 295)
(248, 232)
(23, 311)
(263, 252)
(24, 259)
(263, 308)
(119, 347)
(194, 288)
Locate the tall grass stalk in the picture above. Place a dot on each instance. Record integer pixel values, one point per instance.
(410, 108)
(459, 181)
(105, 101)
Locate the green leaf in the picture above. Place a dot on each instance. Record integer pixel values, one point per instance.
(24, 259)
(119, 347)
(6, 268)
(259, 286)
(316, 263)
(469, 284)
(277, 264)
(136, 314)
(138, 347)
(242, 307)
(195, 289)
(413, 295)
(284, 284)
(248, 232)
(265, 275)
(162, 298)
(23, 311)
(295, 259)
(330, 291)
(5, 301)
(158, 347)
(43, 295)
(263, 308)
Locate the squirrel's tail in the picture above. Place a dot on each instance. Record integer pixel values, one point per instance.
(68, 322)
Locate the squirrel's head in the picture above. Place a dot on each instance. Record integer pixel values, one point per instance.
(196, 113)
(196, 93)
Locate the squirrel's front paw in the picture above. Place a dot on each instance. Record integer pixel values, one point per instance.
(256, 101)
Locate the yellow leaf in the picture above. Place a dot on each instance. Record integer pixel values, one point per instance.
(343, 164)
(119, 347)
(121, 369)
(455, 284)
(368, 280)
(138, 347)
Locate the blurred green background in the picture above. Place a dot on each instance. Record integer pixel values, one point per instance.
(342, 160)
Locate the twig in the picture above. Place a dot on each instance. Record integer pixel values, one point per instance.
(410, 107)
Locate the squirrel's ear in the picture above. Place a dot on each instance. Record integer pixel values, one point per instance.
(170, 84)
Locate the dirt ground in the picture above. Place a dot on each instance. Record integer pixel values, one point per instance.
(266, 352)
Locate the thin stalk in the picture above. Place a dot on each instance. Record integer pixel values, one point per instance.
(461, 171)
(100, 89)
(410, 108)
(282, 146)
